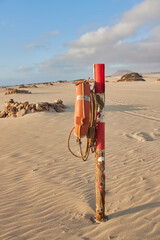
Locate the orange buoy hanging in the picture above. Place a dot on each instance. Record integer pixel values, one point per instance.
(82, 109)
(85, 119)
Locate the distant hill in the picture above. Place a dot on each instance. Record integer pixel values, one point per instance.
(121, 73)
(150, 73)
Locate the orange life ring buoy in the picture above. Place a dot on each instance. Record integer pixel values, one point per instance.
(82, 109)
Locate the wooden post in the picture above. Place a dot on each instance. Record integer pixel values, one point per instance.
(99, 76)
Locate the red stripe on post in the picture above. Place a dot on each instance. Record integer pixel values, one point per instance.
(99, 76)
(100, 136)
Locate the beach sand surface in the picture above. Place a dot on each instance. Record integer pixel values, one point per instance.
(48, 194)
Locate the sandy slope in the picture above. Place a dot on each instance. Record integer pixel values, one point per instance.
(47, 194)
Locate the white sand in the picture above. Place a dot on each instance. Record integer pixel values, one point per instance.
(47, 194)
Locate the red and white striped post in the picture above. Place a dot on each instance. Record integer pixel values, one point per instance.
(99, 76)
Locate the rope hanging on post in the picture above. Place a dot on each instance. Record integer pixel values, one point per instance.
(86, 109)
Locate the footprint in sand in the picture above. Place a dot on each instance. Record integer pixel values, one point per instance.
(140, 136)
(35, 170)
(156, 133)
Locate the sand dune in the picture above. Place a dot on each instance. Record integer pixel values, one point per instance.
(47, 194)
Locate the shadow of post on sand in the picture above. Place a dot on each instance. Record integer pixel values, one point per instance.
(133, 210)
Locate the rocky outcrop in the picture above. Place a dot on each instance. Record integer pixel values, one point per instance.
(61, 81)
(22, 86)
(129, 77)
(19, 109)
(48, 84)
(28, 86)
(33, 86)
(15, 91)
(2, 114)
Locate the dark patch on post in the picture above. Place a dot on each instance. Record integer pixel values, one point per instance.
(100, 102)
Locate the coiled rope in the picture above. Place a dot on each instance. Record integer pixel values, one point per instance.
(90, 138)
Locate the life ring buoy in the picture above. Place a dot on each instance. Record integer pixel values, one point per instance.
(82, 109)
(85, 119)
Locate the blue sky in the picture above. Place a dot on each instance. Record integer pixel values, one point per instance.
(49, 40)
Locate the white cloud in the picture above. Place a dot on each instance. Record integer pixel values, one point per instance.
(54, 33)
(142, 13)
(23, 69)
(42, 46)
(32, 45)
(3, 22)
(109, 45)
(50, 34)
